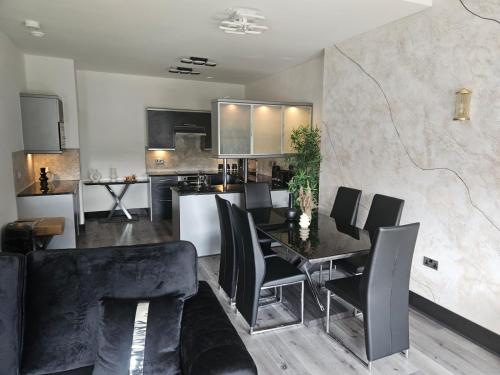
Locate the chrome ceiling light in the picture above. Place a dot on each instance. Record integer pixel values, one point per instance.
(198, 61)
(183, 70)
(243, 21)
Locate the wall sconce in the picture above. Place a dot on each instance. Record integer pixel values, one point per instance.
(462, 105)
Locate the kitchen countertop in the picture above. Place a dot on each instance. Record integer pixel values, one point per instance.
(171, 172)
(59, 187)
(215, 189)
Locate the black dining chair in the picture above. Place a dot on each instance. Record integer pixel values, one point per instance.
(384, 211)
(345, 212)
(228, 266)
(257, 273)
(381, 293)
(258, 195)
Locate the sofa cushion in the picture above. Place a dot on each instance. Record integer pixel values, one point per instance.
(139, 336)
(64, 288)
(210, 344)
(12, 275)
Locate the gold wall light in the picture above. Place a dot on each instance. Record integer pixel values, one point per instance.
(462, 105)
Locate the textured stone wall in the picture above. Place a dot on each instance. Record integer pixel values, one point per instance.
(388, 128)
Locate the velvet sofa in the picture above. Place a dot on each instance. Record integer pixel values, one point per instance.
(50, 301)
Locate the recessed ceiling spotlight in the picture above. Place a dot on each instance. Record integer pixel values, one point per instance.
(209, 77)
(183, 70)
(242, 21)
(198, 61)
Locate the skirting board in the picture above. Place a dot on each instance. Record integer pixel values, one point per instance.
(103, 214)
(474, 332)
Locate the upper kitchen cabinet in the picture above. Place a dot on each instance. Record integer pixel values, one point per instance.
(266, 129)
(244, 128)
(160, 126)
(43, 123)
(235, 129)
(293, 117)
(163, 125)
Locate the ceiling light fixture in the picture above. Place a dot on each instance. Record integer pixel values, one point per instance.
(34, 28)
(183, 70)
(242, 21)
(198, 61)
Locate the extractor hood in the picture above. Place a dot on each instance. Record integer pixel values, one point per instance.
(190, 129)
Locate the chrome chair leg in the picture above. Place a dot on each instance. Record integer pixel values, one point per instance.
(367, 364)
(330, 270)
(320, 275)
(299, 323)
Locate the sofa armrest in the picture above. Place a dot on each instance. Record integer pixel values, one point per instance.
(210, 344)
(12, 276)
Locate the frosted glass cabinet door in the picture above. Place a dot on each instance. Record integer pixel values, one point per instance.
(266, 129)
(235, 129)
(293, 118)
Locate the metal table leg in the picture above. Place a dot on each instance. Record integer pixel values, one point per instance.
(118, 201)
(304, 268)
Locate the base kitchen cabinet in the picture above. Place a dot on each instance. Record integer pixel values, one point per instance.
(160, 197)
(61, 200)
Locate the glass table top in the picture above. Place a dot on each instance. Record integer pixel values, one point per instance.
(324, 240)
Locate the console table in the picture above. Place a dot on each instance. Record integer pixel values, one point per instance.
(117, 198)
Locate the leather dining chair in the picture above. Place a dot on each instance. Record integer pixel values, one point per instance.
(346, 204)
(228, 264)
(345, 212)
(381, 293)
(228, 267)
(385, 211)
(257, 273)
(258, 195)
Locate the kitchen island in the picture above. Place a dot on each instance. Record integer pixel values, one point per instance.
(195, 217)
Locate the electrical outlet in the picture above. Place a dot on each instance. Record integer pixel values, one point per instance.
(159, 161)
(431, 263)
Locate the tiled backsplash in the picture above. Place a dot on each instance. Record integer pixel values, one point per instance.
(187, 155)
(26, 167)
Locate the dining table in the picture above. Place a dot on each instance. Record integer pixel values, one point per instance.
(325, 240)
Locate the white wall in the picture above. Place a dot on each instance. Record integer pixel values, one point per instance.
(51, 75)
(113, 123)
(12, 82)
(301, 83)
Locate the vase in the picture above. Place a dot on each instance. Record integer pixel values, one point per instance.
(304, 234)
(112, 174)
(95, 175)
(304, 221)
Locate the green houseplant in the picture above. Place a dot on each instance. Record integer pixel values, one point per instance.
(306, 142)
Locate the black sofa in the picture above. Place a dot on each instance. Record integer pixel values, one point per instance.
(49, 308)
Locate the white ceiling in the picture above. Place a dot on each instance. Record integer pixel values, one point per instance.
(148, 36)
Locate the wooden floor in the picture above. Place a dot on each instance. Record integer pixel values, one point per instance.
(434, 349)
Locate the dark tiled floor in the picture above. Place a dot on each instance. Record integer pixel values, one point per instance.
(99, 234)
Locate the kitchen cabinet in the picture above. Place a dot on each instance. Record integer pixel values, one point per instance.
(161, 131)
(164, 124)
(293, 117)
(253, 129)
(42, 123)
(235, 128)
(160, 197)
(266, 129)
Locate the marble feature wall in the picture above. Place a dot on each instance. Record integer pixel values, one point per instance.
(22, 168)
(65, 166)
(417, 152)
(188, 155)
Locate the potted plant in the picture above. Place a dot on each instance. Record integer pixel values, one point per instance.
(304, 185)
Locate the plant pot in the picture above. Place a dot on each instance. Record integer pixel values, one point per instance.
(304, 221)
